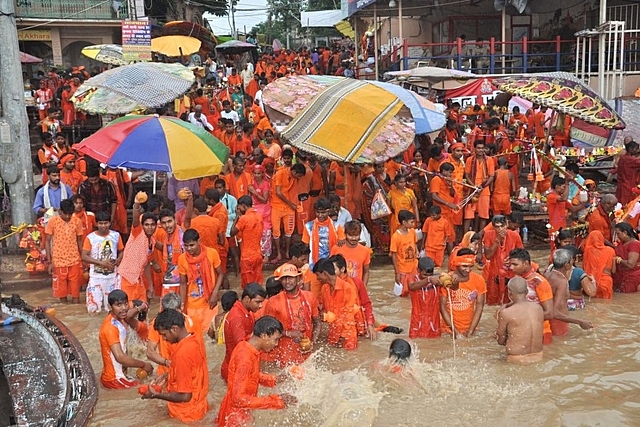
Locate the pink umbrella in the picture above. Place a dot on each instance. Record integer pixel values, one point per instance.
(25, 58)
(277, 45)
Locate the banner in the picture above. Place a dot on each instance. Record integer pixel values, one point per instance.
(477, 92)
(34, 35)
(136, 41)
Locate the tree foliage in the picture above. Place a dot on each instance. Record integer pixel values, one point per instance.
(173, 9)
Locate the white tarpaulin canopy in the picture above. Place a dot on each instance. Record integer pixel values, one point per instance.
(321, 18)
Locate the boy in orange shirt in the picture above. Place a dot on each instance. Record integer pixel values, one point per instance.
(113, 342)
(248, 227)
(284, 202)
(465, 299)
(357, 256)
(403, 250)
(63, 246)
(502, 188)
(138, 253)
(200, 279)
(438, 235)
(340, 304)
(187, 382)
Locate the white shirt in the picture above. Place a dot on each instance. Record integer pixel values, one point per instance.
(258, 99)
(233, 115)
(247, 76)
(200, 122)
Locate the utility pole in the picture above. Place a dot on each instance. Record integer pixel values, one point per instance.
(234, 34)
(15, 147)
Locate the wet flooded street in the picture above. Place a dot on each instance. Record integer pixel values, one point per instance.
(586, 378)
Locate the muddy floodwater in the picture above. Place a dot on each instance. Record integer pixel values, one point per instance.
(587, 378)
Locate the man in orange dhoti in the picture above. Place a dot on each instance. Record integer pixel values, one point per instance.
(297, 310)
(248, 227)
(340, 304)
(200, 279)
(138, 253)
(160, 350)
(502, 188)
(187, 382)
(245, 377)
(465, 299)
(239, 322)
(497, 242)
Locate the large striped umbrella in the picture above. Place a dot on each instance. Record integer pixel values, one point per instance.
(348, 120)
(159, 144)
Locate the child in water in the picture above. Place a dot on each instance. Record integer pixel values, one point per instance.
(216, 329)
(399, 353)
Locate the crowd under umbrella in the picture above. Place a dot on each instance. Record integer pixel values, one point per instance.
(133, 87)
(158, 144)
(106, 53)
(348, 120)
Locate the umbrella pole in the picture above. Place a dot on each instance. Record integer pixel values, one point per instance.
(155, 181)
(553, 116)
(346, 186)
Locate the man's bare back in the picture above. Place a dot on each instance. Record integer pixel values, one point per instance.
(523, 323)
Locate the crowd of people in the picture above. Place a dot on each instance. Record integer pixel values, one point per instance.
(438, 210)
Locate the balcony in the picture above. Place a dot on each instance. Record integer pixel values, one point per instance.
(72, 9)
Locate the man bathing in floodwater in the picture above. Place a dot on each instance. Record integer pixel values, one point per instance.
(520, 325)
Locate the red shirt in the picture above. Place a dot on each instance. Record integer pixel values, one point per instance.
(238, 326)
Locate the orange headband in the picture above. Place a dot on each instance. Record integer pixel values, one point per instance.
(469, 260)
(457, 145)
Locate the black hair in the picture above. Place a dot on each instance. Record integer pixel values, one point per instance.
(520, 253)
(353, 227)
(267, 325)
(149, 215)
(245, 201)
(405, 215)
(322, 204)
(190, 235)
(103, 216)
(253, 290)
(625, 227)
(165, 213)
(298, 249)
(93, 171)
(287, 152)
(466, 251)
(168, 318)
(299, 169)
(572, 167)
(212, 194)
(116, 296)
(400, 350)
(557, 180)
(221, 182)
(201, 205)
(446, 167)
(516, 217)
(499, 219)
(273, 286)
(324, 265)
(339, 260)
(435, 210)
(66, 206)
(53, 169)
(228, 299)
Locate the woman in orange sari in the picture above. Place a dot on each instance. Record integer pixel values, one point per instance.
(401, 198)
(598, 261)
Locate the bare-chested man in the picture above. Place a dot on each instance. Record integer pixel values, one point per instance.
(520, 325)
(557, 277)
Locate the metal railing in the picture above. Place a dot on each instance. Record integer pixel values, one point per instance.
(72, 9)
(525, 56)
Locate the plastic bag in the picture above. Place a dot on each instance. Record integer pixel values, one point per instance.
(379, 206)
(397, 289)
